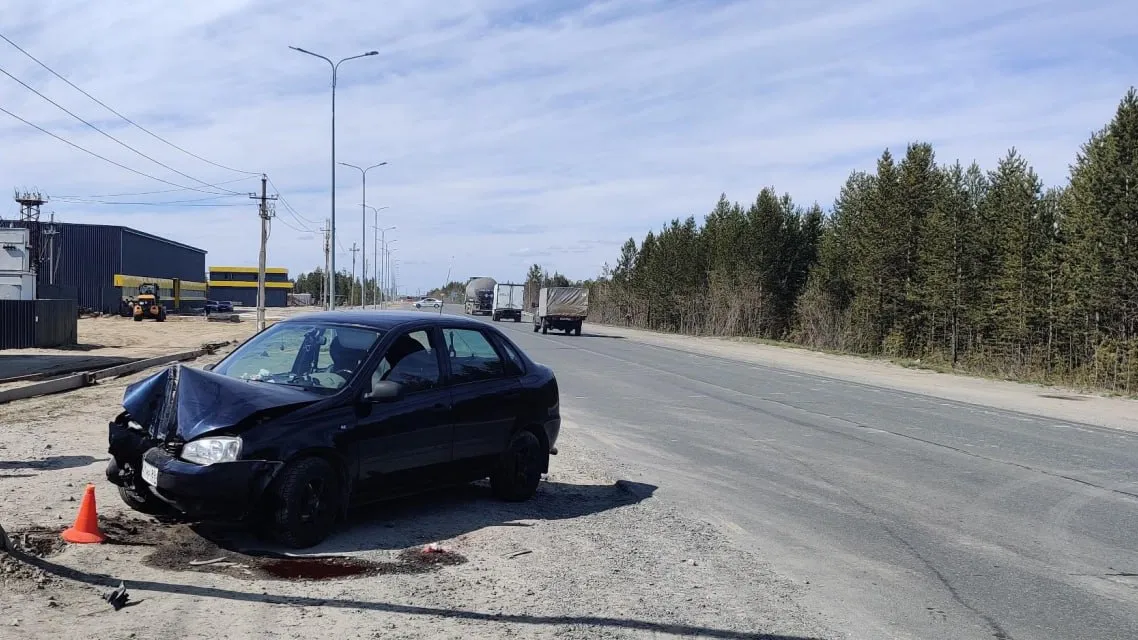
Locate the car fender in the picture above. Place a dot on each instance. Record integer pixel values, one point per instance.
(335, 458)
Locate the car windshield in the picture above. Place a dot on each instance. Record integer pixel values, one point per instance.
(316, 357)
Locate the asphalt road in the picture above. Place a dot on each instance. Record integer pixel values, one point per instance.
(909, 516)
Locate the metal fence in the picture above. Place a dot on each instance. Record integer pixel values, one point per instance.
(38, 323)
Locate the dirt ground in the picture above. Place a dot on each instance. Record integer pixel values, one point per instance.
(597, 554)
(109, 340)
(1053, 402)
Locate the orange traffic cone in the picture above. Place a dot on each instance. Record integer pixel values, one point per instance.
(86, 527)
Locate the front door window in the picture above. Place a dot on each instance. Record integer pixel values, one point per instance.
(411, 361)
(472, 357)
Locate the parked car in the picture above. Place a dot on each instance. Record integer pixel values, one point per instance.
(429, 302)
(326, 410)
(218, 306)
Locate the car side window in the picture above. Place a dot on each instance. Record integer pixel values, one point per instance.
(472, 357)
(516, 365)
(411, 361)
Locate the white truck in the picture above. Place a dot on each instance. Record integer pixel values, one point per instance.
(508, 301)
(562, 308)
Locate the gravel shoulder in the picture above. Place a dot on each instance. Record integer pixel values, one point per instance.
(1052, 402)
(600, 552)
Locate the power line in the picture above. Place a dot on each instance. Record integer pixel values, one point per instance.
(145, 204)
(128, 120)
(148, 193)
(282, 221)
(300, 220)
(82, 198)
(120, 142)
(288, 206)
(103, 158)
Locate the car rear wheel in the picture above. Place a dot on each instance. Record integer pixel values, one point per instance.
(519, 470)
(306, 503)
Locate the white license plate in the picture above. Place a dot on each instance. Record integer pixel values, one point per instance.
(150, 474)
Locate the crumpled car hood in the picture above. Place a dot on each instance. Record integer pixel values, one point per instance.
(205, 401)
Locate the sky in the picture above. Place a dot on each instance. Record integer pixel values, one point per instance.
(526, 131)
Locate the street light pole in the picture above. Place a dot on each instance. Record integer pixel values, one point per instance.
(363, 226)
(382, 258)
(375, 254)
(395, 279)
(387, 266)
(335, 71)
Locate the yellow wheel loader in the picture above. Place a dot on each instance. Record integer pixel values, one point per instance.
(148, 304)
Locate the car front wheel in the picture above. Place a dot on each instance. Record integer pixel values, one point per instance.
(306, 503)
(519, 471)
(141, 500)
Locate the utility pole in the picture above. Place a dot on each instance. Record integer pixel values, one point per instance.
(447, 281)
(51, 232)
(265, 214)
(352, 294)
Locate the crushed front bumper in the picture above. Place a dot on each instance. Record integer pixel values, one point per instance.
(226, 490)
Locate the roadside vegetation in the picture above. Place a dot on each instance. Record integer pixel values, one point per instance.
(987, 272)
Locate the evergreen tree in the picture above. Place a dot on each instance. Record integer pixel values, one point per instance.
(1019, 230)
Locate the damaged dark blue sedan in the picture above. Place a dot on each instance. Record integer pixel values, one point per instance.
(329, 410)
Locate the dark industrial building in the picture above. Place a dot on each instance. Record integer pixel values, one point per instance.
(239, 286)
(100, 265)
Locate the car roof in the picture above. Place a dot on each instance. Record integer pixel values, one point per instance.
(385, 320)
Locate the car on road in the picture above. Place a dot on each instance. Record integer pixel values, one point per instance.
(328, 410)
(429, 302)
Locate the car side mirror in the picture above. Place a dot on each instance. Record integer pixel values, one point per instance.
(209, 367)
(384, 391)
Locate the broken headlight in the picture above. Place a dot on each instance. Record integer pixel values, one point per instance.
(210, 450)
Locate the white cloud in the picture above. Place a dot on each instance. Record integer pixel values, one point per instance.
(522, 130)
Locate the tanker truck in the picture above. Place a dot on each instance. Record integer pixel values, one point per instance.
(480, 296)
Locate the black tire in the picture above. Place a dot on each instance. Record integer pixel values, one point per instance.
(517, 318)
(142, 501)
(305, 503)
(519, 471)
(138, 318)
(161, 316)
(535, 327)
(577, 329)
(544, 328)
(496, 317)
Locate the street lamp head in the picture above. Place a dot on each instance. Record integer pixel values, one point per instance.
(372, 53)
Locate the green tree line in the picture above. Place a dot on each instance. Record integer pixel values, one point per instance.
(987, 271)
(348, 289)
